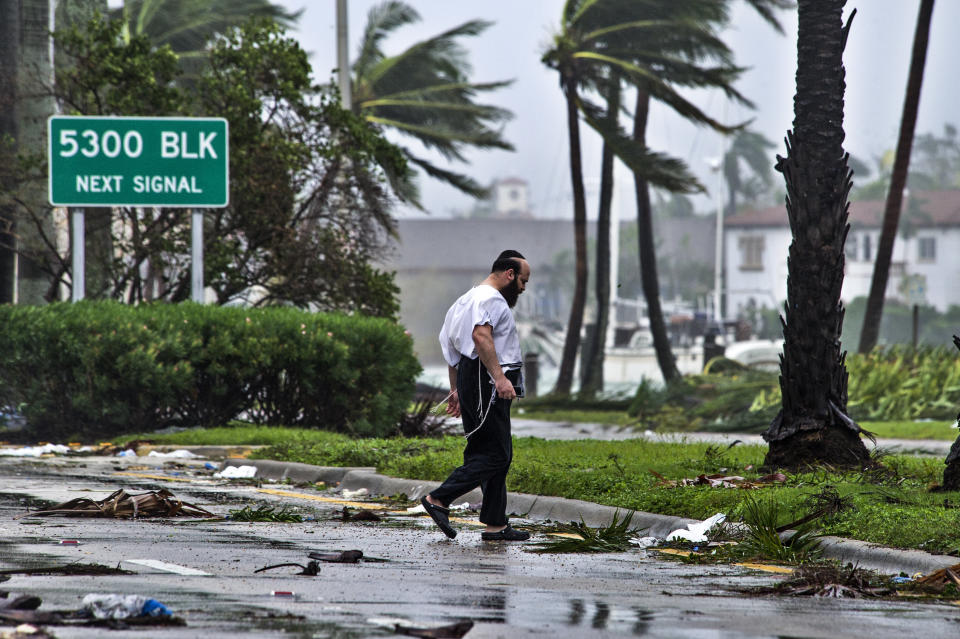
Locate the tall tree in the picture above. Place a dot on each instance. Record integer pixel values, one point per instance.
(898, 181)
(425, 93)
(812, 425)
(686, 67)
(599, 39)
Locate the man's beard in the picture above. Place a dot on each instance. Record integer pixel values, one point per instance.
(511, 292)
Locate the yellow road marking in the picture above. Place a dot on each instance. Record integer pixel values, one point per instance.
(566, 535)
(329, 500)
(469, 522)
(767, 568)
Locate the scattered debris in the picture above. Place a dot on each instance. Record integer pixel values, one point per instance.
(312, 569)
(237, 472)
(452, 631)
(35, 451)
(938, 581)
(616, 537)
(419, 509)
(721, 481)
(697, 532)
(75, 569)
(343, 557)
(828, 579)
(18, 601)
(353, 494)
(116, 606)
(180, 453)
(361, 515)
(120, 504)
(266, 513)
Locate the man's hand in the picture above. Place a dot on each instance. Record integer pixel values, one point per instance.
(505, 388)
(453, 404)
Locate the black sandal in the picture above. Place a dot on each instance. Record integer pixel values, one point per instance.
(440, 516)
(507, 534)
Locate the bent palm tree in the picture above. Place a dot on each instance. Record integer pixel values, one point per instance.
(425, 93)
(812, 425)
(655, 47)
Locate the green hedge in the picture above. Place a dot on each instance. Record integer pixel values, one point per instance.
(95, 369)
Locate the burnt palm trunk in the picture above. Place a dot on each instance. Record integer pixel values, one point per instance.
(898, 180)
(647, 252)
(813, 426)
(593, 367)
(572, 342)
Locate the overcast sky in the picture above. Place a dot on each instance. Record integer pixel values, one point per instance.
(877, 59)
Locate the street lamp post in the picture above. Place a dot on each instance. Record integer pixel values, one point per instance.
(716, 165)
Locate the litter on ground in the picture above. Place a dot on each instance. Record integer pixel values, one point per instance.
(120, 504)
(697, 532)
(237, 472)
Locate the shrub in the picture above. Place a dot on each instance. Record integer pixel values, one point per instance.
(103, 368)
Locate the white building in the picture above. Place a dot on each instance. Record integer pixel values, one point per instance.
(925, 267)
(511, 198)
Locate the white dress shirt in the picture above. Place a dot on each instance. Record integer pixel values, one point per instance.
(480, 305)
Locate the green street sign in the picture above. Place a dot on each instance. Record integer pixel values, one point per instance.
(132, 161)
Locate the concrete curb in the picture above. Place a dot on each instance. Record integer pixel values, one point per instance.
(875, 557)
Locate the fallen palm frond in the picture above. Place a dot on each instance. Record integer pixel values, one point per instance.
(122, 505)
(613, 538)
(266, 513)
(831, 580)
(762, 537)
(361, 515)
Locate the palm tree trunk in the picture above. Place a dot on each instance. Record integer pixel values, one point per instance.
(647, 252)
(898, 180)
(813, 426)
(572, 342)
(593, 379)
(951, 474)
(9, 37)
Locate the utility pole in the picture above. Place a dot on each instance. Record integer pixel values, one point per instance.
(343, 58)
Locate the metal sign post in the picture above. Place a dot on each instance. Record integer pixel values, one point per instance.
(132, 161)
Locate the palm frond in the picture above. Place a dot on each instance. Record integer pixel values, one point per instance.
(459, 181)
(445, 140)
(656, 168)
(382, 19)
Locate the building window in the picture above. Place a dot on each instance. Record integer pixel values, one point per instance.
(867, 248)
(851, 247)
(927, 249)
(751, 253)
(514, 194)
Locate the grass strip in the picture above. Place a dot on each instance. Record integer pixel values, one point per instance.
(891, 505)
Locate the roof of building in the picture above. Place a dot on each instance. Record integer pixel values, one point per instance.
(473, 243)
(931, 208)
(511, 180)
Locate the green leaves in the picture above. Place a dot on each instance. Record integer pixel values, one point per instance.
(100, 369)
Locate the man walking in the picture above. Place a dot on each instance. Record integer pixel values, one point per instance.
(480, 343)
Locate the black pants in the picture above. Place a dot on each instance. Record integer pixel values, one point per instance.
(489, 450)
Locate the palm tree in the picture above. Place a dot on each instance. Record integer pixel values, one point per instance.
(425, 93)
(898, 180)
(597, 40)
(654, 47)
(812, 425)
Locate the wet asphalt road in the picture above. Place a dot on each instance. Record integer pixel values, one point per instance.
(427, 580)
